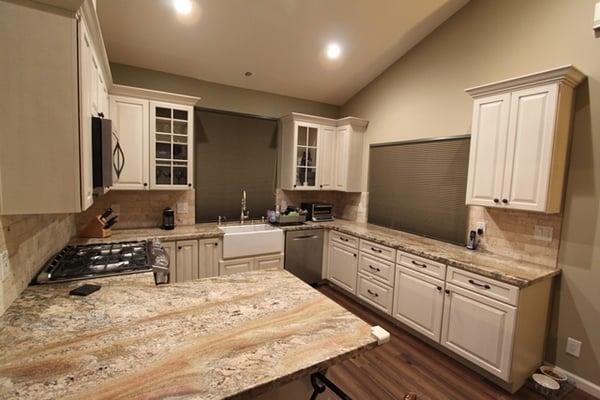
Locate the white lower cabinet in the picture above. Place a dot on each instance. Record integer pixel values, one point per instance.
(419, 302)
(479, 329)
(193, 259)
(375, 293)
(246, 264)
(343, 266)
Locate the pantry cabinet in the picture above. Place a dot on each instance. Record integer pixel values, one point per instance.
(319, 153)
(520, 135)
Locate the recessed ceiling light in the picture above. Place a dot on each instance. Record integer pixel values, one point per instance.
(333, 51)
(183, 6)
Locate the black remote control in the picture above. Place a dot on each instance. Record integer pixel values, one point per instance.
(84, 290)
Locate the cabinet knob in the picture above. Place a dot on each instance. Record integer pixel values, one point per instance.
(179, 247)
(496, 201)
(216, 244)
(294, 185)
(505, 201)
(447, 291)
(145, 184)
(189, 184)
(439, 288)
(354, 254)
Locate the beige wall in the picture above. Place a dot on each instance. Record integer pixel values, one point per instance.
(220, 97)
(421, 95)
(30, 241)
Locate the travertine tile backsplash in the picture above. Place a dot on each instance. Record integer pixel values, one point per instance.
(30, 241)
(141, 209)
(510, 233)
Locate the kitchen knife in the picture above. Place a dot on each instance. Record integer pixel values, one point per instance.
(111, 222)
(106, 213)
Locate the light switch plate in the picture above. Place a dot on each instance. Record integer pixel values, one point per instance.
(182, 208)
(480, 225)
(573, 347)
(543, 233)
(3, 265)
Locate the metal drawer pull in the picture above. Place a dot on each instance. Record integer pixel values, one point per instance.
(305, 237)
(418, 264)
(343, 239)
(481, 285)
(374, 269)
(372, 293)
(376, 250)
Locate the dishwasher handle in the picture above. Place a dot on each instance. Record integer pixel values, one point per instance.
(305, 237)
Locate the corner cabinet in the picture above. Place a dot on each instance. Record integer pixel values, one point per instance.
(152, 140)
(318, 153)
(520, 140)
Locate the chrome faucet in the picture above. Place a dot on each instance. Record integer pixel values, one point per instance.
(245, 214)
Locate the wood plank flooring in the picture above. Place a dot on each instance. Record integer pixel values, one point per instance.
(408, 364)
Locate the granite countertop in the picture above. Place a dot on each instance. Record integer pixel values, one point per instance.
(506, 269)
(231, 336)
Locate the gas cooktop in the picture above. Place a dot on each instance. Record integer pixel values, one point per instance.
(95, 260)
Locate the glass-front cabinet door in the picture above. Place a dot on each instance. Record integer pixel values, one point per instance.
(307, 139)
(171, 142)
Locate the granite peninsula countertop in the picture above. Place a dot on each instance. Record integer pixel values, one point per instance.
(226, 337)
(506, 269)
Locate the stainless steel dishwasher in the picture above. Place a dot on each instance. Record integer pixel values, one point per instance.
(304, 254)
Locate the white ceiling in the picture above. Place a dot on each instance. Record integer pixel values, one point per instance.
(281, 41)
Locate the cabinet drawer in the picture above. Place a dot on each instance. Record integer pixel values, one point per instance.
(486, 286)
(423, 265)
(378, 250)
(375, 293)
(344, 239)
(381, 270)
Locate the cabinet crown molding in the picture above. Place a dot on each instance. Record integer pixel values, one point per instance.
(566, 74)
(155, 95)
(355, 122)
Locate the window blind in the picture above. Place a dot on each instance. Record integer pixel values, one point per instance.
(420, 187)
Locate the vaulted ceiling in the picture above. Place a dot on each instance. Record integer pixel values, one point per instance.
(282, 42)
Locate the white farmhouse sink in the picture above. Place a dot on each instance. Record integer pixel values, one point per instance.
(251, 240)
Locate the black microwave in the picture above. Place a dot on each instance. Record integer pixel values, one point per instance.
(102, 154)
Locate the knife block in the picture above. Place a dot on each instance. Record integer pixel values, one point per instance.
(95, 229)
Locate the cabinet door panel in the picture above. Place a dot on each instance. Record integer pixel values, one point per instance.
(341, 157)
(418, 302)
(236, 265)
(270, 261)
(87, 92)
(171, 250)
(130, 124)
(488, 148)
(479, 329)
(187, 260)
(326, 163)
(209, 254)
(343, 266)
(306, 156)
(530, 141)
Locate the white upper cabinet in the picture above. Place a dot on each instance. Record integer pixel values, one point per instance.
(130, 142)
(519, 141)
(319, 153)
(154, 132)
(171, 146)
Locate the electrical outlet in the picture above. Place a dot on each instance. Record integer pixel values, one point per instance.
(182, 208)
(573, 347)
(4, 265)
(480, 227)
(543, 233)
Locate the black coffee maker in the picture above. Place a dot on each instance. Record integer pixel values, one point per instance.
(168, 219)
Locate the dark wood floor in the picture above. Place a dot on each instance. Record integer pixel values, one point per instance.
(408, 364)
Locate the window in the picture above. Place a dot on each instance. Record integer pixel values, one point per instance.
(420, 187)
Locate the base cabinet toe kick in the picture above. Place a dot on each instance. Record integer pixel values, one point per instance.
(495, 328)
